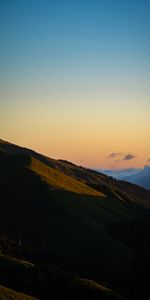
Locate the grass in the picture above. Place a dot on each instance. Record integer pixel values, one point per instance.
(68, 213)
(6, 260)
(63, 215)
(58, 180)
(46, 282)
(9, 294)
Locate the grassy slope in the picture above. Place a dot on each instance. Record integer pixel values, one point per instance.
(58, 180)
(32, 279)
(9, 294)
(91, 290)
(99, 182)
(60, 221)
(66, 210)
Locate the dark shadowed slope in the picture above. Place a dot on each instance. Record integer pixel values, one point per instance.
(9, 294)
(70, 214)
(43, 281)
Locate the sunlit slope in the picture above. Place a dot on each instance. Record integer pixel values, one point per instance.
(57, 180)
(65, 211)
(75, 216)
(99, 182)
(60, 214)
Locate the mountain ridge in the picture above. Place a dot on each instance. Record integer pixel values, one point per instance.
(74, 215)
(87, 176)
(139, 177)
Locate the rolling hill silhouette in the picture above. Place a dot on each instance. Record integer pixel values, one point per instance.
(91, 223)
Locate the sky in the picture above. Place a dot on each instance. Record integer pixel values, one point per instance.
(75, 79)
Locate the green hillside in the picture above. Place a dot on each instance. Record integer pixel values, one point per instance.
(99, 182)
(90, 223)
(57, 180)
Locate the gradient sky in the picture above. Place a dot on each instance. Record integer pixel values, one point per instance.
(75, 79)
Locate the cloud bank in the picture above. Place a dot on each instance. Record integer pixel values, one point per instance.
(121, 156)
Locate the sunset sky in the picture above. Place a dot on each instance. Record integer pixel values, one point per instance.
(75, 79)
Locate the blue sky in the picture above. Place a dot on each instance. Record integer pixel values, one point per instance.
(84, 62)
(46, 36)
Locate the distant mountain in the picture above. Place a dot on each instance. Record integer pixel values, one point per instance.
(133, 175)
(120, 174)
(81, 219)
(142, 178)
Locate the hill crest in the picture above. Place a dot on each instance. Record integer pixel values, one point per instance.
(67, 176)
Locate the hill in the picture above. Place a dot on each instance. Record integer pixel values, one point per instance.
(92, 224)
(99, 181)
(43, 281)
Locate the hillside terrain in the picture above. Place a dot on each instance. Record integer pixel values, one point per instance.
(9, 294)
(84, 221)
